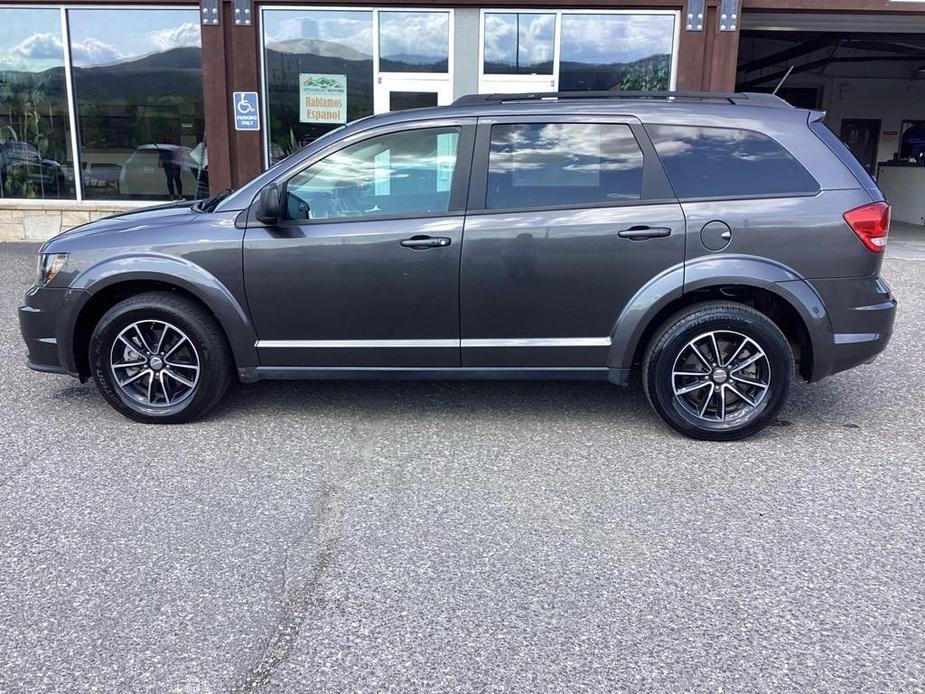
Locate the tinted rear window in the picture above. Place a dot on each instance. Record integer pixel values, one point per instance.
(549, 164)
(843, 153)
(724, 162)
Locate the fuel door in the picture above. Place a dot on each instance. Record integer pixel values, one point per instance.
(715, 235)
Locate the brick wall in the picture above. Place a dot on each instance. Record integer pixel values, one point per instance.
(39, 220)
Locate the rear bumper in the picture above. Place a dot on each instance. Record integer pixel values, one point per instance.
(862, 313)
(37, 320)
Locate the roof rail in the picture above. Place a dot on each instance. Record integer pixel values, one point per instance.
(751, 98)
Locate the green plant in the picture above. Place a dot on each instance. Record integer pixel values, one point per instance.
(652, 74)
(292, 146)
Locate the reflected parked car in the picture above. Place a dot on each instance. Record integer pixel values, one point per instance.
(25, 172)
(163, 170)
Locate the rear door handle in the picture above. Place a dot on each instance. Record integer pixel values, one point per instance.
(638, 233)
(420, 243)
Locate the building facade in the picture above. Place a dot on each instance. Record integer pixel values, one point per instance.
(106, 106)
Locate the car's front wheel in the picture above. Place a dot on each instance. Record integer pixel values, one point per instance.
(160, 357)
(718, 371)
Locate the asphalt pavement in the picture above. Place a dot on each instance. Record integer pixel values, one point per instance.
(471, 537)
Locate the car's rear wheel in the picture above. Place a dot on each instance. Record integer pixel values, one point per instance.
(160, 357)
(718, 371)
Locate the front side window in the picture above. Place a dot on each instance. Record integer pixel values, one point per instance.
(548, 164)
(36, 160)
(402, 173)
(519, 43)
(726, 162)
(138, 87)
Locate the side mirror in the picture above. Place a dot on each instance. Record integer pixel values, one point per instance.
(268, 205)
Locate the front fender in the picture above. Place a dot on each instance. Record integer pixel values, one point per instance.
(155, 267)
(716, 271)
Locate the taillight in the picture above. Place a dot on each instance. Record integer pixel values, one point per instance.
(871, 223)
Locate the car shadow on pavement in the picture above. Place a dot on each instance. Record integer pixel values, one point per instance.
(831, 402)
(423, 398)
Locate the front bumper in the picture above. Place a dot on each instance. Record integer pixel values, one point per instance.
(862, 312)
(38, 318)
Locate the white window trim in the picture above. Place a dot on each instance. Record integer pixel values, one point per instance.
(79, 200)
(423, 77)
(557, 41)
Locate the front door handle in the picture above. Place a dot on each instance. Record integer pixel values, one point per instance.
(638, 233)
(420, 243)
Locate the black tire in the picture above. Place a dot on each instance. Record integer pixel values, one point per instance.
(733, 408)
(205, 344)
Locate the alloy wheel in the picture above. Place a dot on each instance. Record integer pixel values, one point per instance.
(721, 376)
(154, 363)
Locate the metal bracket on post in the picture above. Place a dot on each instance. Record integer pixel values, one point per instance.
(209, 12)
(728, 12)
(243, 12)
(696, 9)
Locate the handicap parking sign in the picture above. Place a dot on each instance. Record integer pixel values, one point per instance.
(246, 115)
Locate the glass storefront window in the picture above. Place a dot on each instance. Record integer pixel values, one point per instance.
(137, 76)
(414, 41)
(631, 52)
(518, 43)
(315, 57)
(35, 146)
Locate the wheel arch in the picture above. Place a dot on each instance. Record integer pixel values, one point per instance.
(769, 287)
(95, 291)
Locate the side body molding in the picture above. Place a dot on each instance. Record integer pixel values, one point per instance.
(713, 271)
(231, 314)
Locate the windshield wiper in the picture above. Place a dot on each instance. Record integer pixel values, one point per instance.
(209, 204)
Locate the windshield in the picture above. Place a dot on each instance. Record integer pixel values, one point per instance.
(233, 198)
(209, 204)
(279, 164)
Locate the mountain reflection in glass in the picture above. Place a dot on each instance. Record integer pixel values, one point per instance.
(519, 43)
(35, 146)
(327, 42)
(414, 41)
(629, 52)
(138, 86)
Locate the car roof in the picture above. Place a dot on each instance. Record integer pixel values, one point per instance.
(151, 148)
(689, 108)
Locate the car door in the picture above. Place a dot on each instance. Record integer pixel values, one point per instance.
(362, 269)
(569, 217)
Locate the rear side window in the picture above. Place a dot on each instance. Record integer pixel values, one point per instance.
(549, 164)
(843, 153)
(725, 162)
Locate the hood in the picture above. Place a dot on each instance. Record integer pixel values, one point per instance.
(131, 220)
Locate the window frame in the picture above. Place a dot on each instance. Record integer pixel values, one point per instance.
(71, 95)
(655, 189)
(459, 187)
(425, 78)
(518, 76)
(512, 78)
(737, 196)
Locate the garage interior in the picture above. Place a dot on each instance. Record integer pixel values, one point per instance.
(867, 72)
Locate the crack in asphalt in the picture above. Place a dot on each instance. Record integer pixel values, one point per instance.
(297, 603)
(300, 599)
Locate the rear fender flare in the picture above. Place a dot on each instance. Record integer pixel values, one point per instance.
(713, 271)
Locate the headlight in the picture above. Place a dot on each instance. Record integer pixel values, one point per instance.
(50, 264)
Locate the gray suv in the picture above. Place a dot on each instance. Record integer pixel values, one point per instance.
(715, 243)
